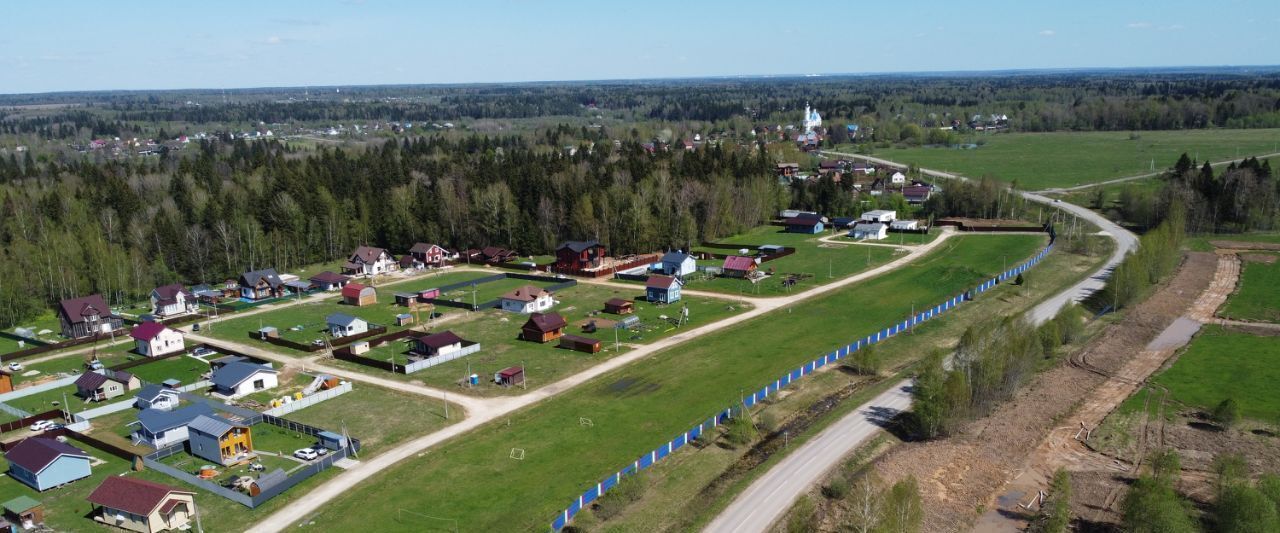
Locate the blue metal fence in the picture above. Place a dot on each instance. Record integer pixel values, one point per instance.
(672, 445)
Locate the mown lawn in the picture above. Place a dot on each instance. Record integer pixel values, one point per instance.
(1064, 159)
(1258, 295)
(380, 418)
(45, 321)
(1220, 364)
(497, 333)
(633, 409)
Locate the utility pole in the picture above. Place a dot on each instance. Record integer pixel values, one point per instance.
(446, 405)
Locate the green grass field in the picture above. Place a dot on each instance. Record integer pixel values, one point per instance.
(1044, 160)
(65, 507)
(1220, 364)
(817, 263)
(633, 409)
(46, 321)
(1200, 243)
(496, 331)
(1258, 296)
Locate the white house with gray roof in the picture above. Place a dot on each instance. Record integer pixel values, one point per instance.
(238, 378)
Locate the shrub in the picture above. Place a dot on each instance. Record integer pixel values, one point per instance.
(803, 517)
(742, 430)
(626, 492)
(1226, 413)
(837, 489)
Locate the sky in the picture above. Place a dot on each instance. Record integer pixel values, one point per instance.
(57, 45)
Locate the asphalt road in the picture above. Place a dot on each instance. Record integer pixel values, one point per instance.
(772, 494)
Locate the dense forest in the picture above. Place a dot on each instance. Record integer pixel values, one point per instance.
(122, 228)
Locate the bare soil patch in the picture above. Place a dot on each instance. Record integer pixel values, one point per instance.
(1266, 259)
(1245, 245)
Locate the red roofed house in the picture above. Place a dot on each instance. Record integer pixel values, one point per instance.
(359, 295)
(140, 505)
(173, 300)
(662, 289)
(155, 339)
(329, 281)
(369, 261)
(736, 266)
(86, 316)
(437, 344)
(543, 327)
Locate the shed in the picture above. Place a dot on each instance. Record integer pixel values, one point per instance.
(331, 440)
(406, 299)
(581, 344)
(737, 266)
(904, 225)
(509, 376)
(404, 319)
(27, 511)
(543, 327)
(268, 332)
(359, 295)
(618, 306)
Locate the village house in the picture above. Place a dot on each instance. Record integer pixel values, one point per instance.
(261, 284)
(157, 397)
(677, 264)
(898, 178)
(871, 231)
(437, 344)
(618, 306)
(509, 376)
(154, 339)
(803, 225)
(158, 428)
(904, 225)
(737, 266)
(97, 387)
(173, 300)
(526, 299)
(843, 222)
(143, 506)
(238, 378)
(662, 289)
(344, 325)
(431, 255)
(217, 439)
(369, 261)
(579, 255)
(359, 295)
(86, 316)
(490, 254)
(917, 194)
(580, 344)
(43, 463)
(329, 281)
(543, 327)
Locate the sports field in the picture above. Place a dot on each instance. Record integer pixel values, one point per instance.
(1258, 296)
(1220, 364)
(475, 481)
(1044, 160)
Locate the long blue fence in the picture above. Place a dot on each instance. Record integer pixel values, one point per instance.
(648, 459)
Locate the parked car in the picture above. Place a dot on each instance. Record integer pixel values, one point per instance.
(202, 351)
(306, 454)
(95, 365)
(15, 367)
(42, 425)
(320, 450)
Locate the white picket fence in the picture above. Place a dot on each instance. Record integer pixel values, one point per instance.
(433, 361)
(311, 400)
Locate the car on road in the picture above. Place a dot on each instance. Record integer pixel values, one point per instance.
(306, 454)
(15, 367)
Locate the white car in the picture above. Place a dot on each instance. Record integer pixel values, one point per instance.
(15, 367)
(42, 425)
(320, 450)
(306, 454)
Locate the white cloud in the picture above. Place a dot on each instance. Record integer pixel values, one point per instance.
(274, 39)
(1048, 33)
(1173, 27)
(1138, 25)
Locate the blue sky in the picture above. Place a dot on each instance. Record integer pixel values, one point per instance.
(52, 45)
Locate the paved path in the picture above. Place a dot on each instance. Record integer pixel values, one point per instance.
(485, 410)
(772, 494)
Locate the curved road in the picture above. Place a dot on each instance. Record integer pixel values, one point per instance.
(772, 494)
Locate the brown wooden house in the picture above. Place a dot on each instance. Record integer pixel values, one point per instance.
(618, 306)
(543, 327)
(581, 344)
(579, 255)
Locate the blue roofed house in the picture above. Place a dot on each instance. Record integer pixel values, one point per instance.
(44, 463)
(662, 289)
(238, 378)
(159, 429)
(158, 397)
(678, 264)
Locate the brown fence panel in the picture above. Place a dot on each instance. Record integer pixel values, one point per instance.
(24, 422)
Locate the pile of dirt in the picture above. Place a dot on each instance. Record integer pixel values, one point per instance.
(958, 475)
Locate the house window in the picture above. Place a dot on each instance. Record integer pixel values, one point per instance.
(259, 384)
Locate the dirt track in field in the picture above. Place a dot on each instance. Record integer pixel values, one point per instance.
(974, 469)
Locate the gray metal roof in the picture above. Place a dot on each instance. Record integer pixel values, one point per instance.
(210, 425)
(155, 420)
(341, 319)
(235, 372)
(674, 257)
